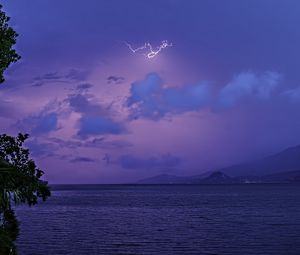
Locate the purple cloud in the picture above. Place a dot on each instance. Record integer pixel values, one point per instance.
(39, 124)
(115, 79)
(82, 160)
(95, 119)
(150, 99)
(98, 125)
(84, 86)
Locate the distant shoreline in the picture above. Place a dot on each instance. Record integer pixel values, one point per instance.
(58, 187)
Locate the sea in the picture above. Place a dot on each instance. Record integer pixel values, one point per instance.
(163, 219)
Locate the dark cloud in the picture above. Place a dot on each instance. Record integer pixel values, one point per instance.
(95, 119)
(106, 144)
(95, 142)
(114, 144)
(164, 161)
(39, 124)
(98, 125)
(69, 76)
(82, 104)
(149, 99)
(38, 84)
(49, 76)
(115, 79)
(70, 144)
(45, 123)
(82, 160)
(101, 143)
(84, 87)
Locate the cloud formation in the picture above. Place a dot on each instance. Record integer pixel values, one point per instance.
(39, 124)
(72, 74)
(150, 99)
(115, 79)
(95, 119)
(101, 143)
(81, 103)
(61, 77)
(248, 84)
(83, 87)
(98, 125)
(82, 160)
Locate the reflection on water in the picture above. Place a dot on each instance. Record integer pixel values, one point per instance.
(212, 219)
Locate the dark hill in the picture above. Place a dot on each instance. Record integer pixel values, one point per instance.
(285, 161)
(281, 167)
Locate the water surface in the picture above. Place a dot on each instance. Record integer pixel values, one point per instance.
(158, 219)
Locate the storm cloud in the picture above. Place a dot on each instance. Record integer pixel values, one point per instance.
(150, 99)
(95, 119)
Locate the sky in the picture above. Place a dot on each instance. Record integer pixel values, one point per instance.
(224, 91)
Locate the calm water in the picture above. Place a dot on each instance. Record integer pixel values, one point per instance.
(213, 219)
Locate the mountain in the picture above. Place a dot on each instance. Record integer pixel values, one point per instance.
(293, 176)
(163, 179)
(222, 178)
(216, 178)
(285, 161)
(281, 167)
(206, 178)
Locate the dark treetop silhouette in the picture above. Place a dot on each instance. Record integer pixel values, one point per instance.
(7, 39)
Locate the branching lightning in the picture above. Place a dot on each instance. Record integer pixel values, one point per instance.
(151, 53)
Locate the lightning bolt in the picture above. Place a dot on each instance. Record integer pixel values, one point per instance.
(147, 46)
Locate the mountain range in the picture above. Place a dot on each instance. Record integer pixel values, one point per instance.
(283, 167)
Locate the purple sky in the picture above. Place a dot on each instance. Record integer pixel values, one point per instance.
(227, 91)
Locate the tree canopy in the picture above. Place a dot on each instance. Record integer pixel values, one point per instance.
(7, 40)
(19, 174)
(20, 178)
(20, 182)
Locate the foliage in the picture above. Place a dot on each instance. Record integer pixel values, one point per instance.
(7, 39)
(20, 182)
(9, 230)
(22, 177)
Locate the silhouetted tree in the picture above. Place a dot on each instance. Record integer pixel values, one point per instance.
(20, 179)
(7, 39)
(9, 230)
(20, 182)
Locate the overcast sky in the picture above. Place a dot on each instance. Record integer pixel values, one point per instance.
(225, 92)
